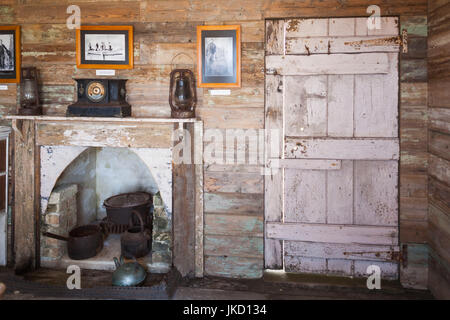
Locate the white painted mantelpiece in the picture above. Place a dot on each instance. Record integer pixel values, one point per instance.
(45, 145)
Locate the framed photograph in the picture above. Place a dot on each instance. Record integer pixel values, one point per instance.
(9, 54)
(219, 56)
(105, 47)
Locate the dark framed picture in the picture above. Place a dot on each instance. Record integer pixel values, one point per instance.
(105, 47)
(219, 56)
(9, 54)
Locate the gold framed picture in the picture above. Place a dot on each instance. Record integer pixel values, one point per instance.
(9, 54)
(219, 56)
(104, 47)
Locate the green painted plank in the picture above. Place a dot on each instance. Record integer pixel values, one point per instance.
(234, 267)
(250, 247)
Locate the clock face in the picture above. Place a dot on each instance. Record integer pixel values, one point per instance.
(95, 91)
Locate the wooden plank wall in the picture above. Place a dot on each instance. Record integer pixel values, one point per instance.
(439, 147)
(413, 151)
(164, 28)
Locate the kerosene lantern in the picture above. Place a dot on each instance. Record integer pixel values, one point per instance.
(29, 95)
(183, 96)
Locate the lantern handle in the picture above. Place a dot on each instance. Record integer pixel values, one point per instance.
(179, 54)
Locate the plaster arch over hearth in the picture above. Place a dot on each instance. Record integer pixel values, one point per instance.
(55, 159)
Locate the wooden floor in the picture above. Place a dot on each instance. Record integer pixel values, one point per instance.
(51, 284)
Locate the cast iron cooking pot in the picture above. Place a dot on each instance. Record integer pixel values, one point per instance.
(120, 207)
(83, 242)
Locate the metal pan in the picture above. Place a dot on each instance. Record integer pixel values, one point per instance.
(83, 242)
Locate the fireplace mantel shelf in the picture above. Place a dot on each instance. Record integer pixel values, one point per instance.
(100, 119)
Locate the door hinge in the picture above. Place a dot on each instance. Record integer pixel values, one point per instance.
(401, 256)
(405, 41)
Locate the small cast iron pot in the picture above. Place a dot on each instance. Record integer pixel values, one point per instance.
(83, 242)
(135, 242)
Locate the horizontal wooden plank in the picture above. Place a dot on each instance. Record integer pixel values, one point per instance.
(342, 149)
(413, 231)
(328, 233)
(230, 118)
(439, 168)
(439, 144)
(234, 203)
(332, 45)
(439, 95)
(439, 193)
(234, 225)
(416, 26)
(233, 182)
(439, 232)
(439, 119)
(340, 251)
(338, 8)
(439, 276)
(413, 161)
(414, 208)
(364, 63)
(248, 247)
(304, 164)
(105, 135)
(414, 94)
(234, 267)
(413, 70)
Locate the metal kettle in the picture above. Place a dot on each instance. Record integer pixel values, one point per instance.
(135, 242)
(130, 274)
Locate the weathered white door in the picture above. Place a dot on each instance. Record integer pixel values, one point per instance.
(332, 150)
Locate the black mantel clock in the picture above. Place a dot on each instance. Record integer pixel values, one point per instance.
(100, 98)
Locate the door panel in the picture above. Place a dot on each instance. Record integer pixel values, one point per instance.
(306, 105)
(331, 197)
(305, 196)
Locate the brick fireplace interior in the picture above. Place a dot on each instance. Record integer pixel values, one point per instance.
(79, 192)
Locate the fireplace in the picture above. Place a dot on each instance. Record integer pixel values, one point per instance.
(66, 167)
(92, 176)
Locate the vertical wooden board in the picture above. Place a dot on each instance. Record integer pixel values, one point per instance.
(389, 270)
(342, 27)
(361, 27)
(376, 103)
(199, 205)
(306, 106)
(274, 37)
(273, 181)
(3, 154)
(305, 264)
(340, 105)
(375, 190)
(303, 28)
(305, 194)
(340, 194)
(184, 223)
(24, 202)
(389, 27)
